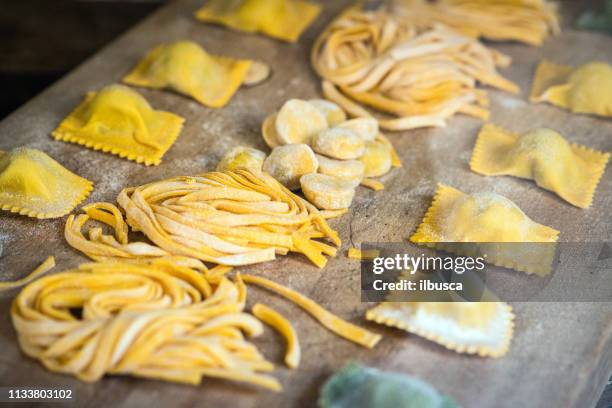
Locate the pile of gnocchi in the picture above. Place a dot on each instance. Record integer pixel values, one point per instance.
(316, 149)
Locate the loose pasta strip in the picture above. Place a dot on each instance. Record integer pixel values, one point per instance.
(39, 271)
(330, 321)
(363, 255)
(284, 327)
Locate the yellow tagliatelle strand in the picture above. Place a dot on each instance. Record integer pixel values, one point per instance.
(365, 255)
(419, 74)
(42, 269)
(157, 320)
(228, 218)
(327, 319)
(283, 326)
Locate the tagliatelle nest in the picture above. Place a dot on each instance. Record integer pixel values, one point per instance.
(227, 218)
(527, 21)
(420, 75)
(156, 320)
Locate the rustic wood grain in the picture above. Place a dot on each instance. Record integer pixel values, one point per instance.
(561, 354)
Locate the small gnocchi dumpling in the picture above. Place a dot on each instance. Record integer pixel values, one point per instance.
(290, 162)
(543, 155)
(586, 89)
(35, 185)
(268, 131)
(282, 19)
(487, 219)
(333, 113)
(186, 68)
(119, 120)
(366, 128)
(327, 192)
(482, 328)
(257, 73)
(339, 143)
(350, 170)
(298, 122)
(376, 159)
(242, 157)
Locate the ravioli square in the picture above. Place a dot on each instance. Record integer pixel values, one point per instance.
(119, 120)
(492, 223)
(35, 185)
(481, 328)
(586, 89)
(186, 68)
(281, 19)
(573, 172)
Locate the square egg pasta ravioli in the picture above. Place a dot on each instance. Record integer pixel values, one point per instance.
(495, 225)
(119, 120)
(35, 185)
(543, 155)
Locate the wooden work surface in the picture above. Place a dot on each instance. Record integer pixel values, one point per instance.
(561, 354)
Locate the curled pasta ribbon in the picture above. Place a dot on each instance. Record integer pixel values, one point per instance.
(158, 320)
(283, 326)
(420, 75)
(528, 22)
(227, 218)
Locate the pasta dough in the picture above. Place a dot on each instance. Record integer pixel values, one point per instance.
(543, 155)
(492, 222)
(185, 67)
(33, 184)
(483, 328)
(119, 120)
(282, 19)
(586, 89)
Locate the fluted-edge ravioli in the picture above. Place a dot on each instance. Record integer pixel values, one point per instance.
(482, 328)
(186, 68)
(119, 120)
(543, 155)
(35, 185)
(491, 222)
(282, 19)
(586, 89)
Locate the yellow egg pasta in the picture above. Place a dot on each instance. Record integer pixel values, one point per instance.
(481, 328)
(330, 321)
(35, 185)
(281, 19)
(414, 75)
(529, 22)
(227, 218)
(491, 222)
(283, 326)
(186, 68)
(543, 155)
(586, 89)
(157, 320)
(119, 120)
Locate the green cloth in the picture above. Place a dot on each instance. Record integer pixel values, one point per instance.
(357, 386)
(591, 20)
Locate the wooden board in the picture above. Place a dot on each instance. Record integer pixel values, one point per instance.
(561, 354)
